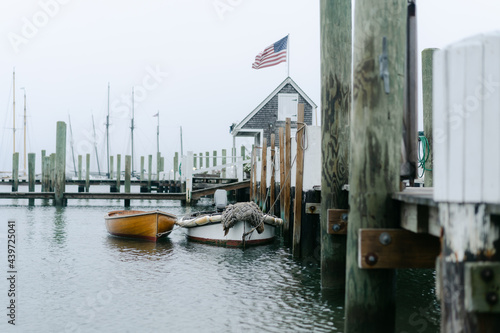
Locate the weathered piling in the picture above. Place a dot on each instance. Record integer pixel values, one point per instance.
(374, 156)
(253, 181)
(281, 134)
(288, 177)
(299, 177)
(60, 165)
(272, 191)
(335, 133)
(176, 164)
(111, 167)
(128, 163)
(224, 152)
(427, 86)
(44, 171)
(46, 174)
(31, 176)
(15, 172)
(263, 177)
(142, 168)
(52, 171)
(87, 173)
(118, 172)
(80, 167)
(207, 159)
(214, 158)
(158, 166)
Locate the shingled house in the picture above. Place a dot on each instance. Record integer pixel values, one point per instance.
(271, 114)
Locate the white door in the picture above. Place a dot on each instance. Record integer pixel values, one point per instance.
(287, 106)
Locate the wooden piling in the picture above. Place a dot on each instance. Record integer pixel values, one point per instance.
(31, 176)
(254, 174)
(111, 165)
(427, 109)
(374, 157)
(281, 133)
(52, 172)
(335, 17)
(214, 158)
(118, 171)
(46, 174)
(195, 161)
(263, 177)
(87, 173)
(142, 168)
(224, 161)
(288, 178)
(44, 171)
(79, 167)
(201, 160)
(272, 185)
(128, 163)
(207, 157)
(60, 176)
(176, 164)
(15, 172)
(299, 177)
(158, 166)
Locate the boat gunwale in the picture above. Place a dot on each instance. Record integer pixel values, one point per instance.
(139, 213)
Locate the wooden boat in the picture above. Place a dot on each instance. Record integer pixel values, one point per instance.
(208, 228)
(140, 224)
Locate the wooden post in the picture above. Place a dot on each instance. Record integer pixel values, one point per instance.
(128, 163)
(243, 156)
(118, 171)
(224, 152)
(215, 158)
(254, 173)
(299, 177)
(374, 157)
(158, 166)
(52, 168)
(150, 170)
(142, 168)
(281, 134)
(288, 177)
(15, 172)
(272, 185)
(201, 160)
(80, 167)
(31, 176)
(60, 178)
(252, 180)
(207, 156)
(263, 177)
(87, 173)
(176, 165)
(335, 133)
(44, 171)
(46, 175)
(195, 162)
(111, 165)
(427, 107)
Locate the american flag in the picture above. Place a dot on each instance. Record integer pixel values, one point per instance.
(272, 55)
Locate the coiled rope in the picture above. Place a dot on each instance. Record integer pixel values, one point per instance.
(424, 156)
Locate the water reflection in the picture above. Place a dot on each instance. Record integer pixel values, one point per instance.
(138, 247)
(59, 231)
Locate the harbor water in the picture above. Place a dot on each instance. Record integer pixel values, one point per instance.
(71, 276)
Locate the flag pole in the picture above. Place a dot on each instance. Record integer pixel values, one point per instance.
(288, 55)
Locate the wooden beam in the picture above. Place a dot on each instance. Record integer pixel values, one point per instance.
(396, 248)
(263, 177)
(281, 134)
(427, 86)
(60, 165)
(336, 60)
(288, 171)
(272, 185)
(299, 178)
(375, 156)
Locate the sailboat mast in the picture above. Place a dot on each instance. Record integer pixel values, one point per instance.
(14, 110)
(24, 159)
(71, 143)
(95, 147)
(107, 133)
(132, 130)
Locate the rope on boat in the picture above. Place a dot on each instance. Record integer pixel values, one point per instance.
(198, 221)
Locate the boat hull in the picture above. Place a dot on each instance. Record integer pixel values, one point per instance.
(139, 224)
(214, 234)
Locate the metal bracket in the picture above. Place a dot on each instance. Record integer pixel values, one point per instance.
(313, 208)
(337, 221)
(384, 66)
(482, 287)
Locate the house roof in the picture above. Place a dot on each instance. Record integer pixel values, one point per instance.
(239, 127)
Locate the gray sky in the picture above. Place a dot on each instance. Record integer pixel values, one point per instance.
(189, 59)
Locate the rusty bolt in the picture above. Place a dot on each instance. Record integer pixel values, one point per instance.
(492, 298)
(312, 209)
(345, 217)
(385, 238)
(487, 274)
(371, 259)
(336, 227)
